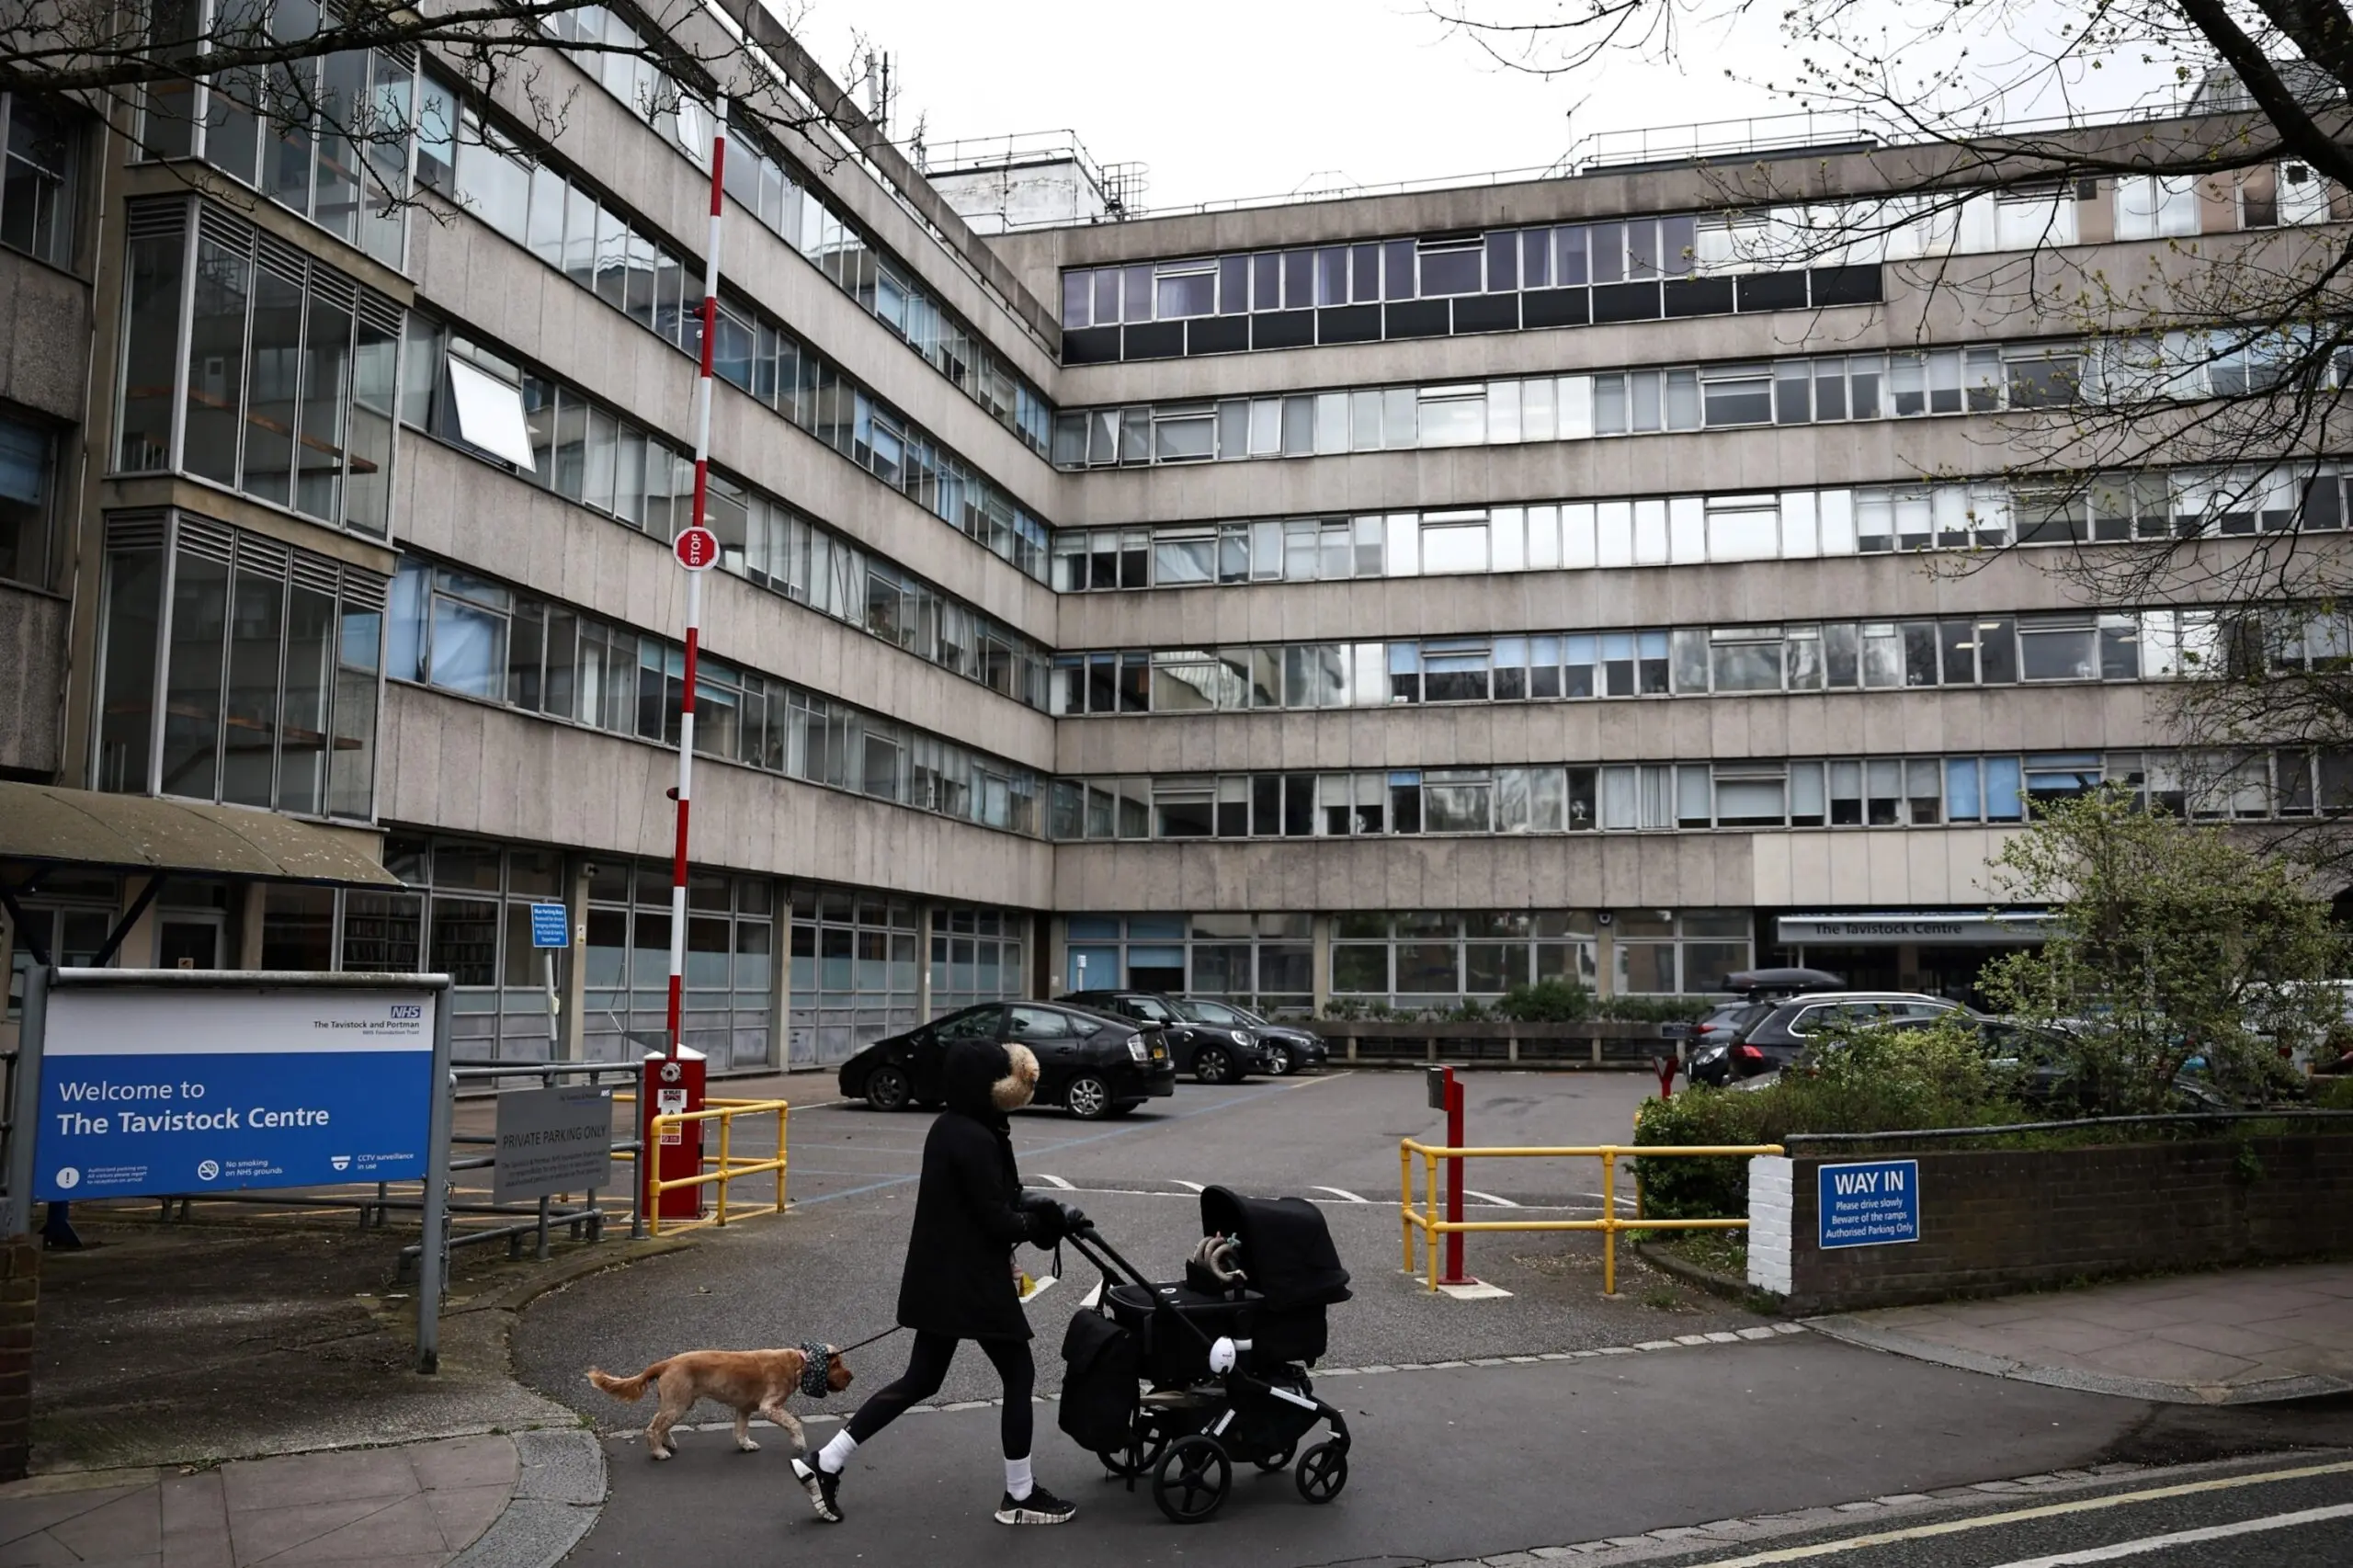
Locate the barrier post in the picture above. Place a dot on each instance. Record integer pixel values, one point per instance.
(1454, 1140)
(1609, 1221)
(1405, 1201)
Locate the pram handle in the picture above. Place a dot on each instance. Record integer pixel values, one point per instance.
(1087, 1238)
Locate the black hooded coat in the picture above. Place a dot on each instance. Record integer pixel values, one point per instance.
(959, 1278)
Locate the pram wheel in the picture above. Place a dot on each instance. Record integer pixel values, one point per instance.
(1322, 1471)
(1192, 1479)
(1275, 1461)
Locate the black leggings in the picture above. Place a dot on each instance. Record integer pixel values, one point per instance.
(927, 1368)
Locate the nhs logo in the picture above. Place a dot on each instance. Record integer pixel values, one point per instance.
(1875, 1203)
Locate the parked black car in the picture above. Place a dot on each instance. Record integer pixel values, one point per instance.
(1091, 1063)
(1288, 1048)
(1773, 1034)
(1214, 1054)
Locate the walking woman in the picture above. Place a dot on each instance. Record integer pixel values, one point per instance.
(970, 1213)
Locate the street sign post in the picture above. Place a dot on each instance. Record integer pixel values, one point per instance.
(1875, 1203)
(551, 931)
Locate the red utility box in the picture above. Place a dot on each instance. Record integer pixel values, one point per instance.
(668, 1085)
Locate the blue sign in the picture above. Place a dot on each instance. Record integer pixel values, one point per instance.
(551, 928)
(1872, 1204)
(150, 1091)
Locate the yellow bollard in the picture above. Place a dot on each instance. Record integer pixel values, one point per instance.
(726, 1162)
(1609, 1222)
(1429, 1231)
(1406, 1202)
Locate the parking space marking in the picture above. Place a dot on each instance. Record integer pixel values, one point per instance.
(1054, 1181)
(2183, 1538)
(1188, 1186)
(2021, 1516)
(1344, 1195)
(1489, 1198)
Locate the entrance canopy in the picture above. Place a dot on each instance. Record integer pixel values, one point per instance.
(1950, 928)
(43, 825)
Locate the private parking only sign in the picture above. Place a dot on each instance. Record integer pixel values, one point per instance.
(152, 1091)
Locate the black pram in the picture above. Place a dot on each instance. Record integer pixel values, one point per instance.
(1182, 1382)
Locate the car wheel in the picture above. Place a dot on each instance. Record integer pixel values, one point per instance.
(1211, 1064)
(1280, 1064)
(887, 1088)
(1087, 1097)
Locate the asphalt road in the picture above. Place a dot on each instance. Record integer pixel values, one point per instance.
(1580, 1438)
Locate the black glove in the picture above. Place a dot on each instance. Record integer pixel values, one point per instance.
(1074, 1219)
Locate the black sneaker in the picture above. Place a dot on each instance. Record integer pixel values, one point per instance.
(821, 1484)
(1040, 1508)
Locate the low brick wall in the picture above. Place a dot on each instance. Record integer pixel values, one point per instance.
(19, 1292)
(1996, 1220)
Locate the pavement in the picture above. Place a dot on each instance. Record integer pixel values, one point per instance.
(492, 1501)
(2233, 1337)
(1550, 1424)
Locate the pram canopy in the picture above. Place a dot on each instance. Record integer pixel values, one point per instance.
(1287, 1249)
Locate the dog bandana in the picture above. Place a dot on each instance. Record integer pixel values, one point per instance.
(815, 1362)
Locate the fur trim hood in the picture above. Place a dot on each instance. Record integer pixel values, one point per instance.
(1020, 1081)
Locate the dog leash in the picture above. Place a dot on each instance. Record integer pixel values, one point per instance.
(870, 1339)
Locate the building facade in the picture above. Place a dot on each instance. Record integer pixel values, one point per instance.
(1375, 601)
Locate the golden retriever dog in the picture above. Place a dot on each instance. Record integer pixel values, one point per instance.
(752, 1382)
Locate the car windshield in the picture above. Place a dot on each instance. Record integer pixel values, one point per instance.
(1149, 1008)
(1206, 1012)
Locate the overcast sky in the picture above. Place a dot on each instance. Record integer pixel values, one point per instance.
(1236, 98)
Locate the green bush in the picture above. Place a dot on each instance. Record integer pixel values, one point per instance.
(1546, 1002)
(1866, 1079)
(2333, 1093)
(1655, 1009)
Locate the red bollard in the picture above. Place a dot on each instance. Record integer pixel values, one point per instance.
(1454, 1275)
(668, 1085)
(1668, 1067)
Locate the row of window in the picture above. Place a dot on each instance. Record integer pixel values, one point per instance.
(1597, 304)
(800, 211)
(1793, 525)
(234, 669)
(536, 204)
(1910, 383)
(326, 138)
(38, 153)
(782, 196)
(286, 391)
(546, 431)
(1419, 958)
(464, 633)
(1919, 791)
(1104, 307)
(1981, 650)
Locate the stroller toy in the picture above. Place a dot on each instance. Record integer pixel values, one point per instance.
(1183, 1382)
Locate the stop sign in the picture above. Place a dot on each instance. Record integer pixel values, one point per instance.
(697, 549)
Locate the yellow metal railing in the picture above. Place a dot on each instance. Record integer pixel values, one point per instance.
(1427, 1218)
(726, 1166)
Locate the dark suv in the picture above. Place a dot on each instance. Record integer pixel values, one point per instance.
(1772, 1035)
(1213, 1053)
(1090, 1063)
(1288, 1048)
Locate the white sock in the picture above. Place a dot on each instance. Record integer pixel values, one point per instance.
(835, 1456)
(1017, 1477)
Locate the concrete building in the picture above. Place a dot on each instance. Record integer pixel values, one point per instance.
(1383, 599)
